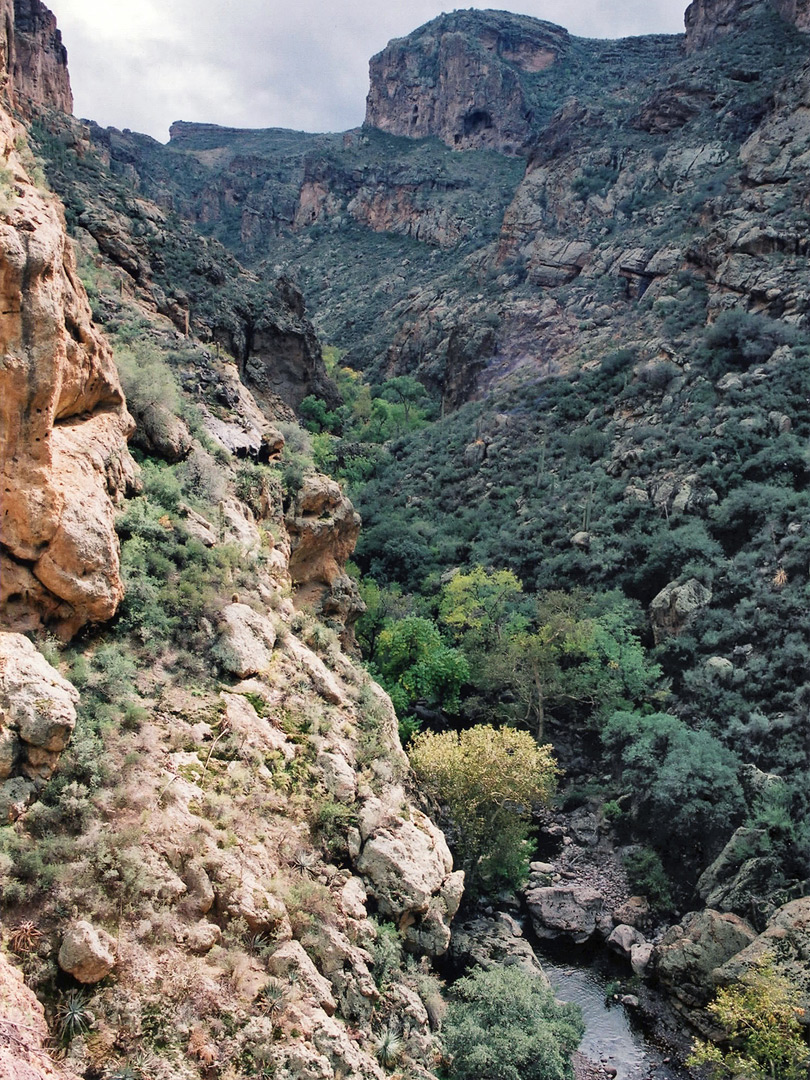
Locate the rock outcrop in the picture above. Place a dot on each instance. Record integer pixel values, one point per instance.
(37, 717)
(686, 957)
(459, 78)
(24, 1033)
(323, 527)
(37, 60)
(63, 421)
(707, 21)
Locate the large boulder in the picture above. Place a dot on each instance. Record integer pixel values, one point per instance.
(676, 607)
(408, 869)
(494, 940)
(574, 913)
(785, 943)
(87, 953)
(246, 641)
(688, 954)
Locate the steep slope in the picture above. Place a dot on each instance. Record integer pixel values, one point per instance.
(188, 884)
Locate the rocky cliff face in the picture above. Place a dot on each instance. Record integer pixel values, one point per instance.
(63, 422)
(459, 78)
(37, 60)
(709, 20)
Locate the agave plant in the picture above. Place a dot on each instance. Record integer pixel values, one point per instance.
(73, 1016)
(271, 997)
(25, 937)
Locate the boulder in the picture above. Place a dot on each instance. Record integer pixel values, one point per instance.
(87, 953)
(676, 607)
(246, 641)
(572, 913)
(408, 869)
(743, 872)
(338, 776)
(37, 711)
(785, 942)
(640, 957)
(688, 954)
(623, 939)
(490, 941)
(291, 961)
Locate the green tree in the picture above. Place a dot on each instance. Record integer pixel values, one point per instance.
(688, 794)
(482, 606)
(488, 780)
(416, 665)
(760, 1018)
(504, 1024)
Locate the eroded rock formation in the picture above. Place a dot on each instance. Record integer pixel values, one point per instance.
(63, 421)
(459, 78)
(709, 20)
(323, 527)
(38, 60)
(37, 717)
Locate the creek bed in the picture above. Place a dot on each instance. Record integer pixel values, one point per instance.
(611, 1038)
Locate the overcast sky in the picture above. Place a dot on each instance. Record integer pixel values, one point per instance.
(299, 64)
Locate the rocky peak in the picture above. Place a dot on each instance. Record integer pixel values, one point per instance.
(460, 78)
(709, 20)
(36, 57)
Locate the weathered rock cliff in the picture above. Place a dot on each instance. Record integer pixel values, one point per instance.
(63, 422)
(37, 60)
(459, 78)
(709, 20)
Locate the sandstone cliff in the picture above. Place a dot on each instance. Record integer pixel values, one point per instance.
(63, 422)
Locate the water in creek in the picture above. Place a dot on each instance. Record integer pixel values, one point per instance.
(609, 1038)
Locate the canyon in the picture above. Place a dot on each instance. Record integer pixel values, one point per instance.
(544, 315)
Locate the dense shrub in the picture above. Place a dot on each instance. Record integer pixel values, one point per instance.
(504, 1024)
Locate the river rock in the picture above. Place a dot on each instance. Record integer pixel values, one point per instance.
(568, 912)
(87, 953)
(689, 953)
(497, 940)
(623, 938)
(640, 957)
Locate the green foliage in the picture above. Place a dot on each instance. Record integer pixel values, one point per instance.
(488, 780)
(504, 1024)
(647, 876)
(685, 783)
(760, 1017)
(415, 665)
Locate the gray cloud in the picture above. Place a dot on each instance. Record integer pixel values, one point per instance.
(272, 63)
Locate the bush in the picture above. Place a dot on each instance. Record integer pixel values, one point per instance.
(489, 780)
(504, 1024)
(759, 1017)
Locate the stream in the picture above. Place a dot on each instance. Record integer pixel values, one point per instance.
(610, 1037)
